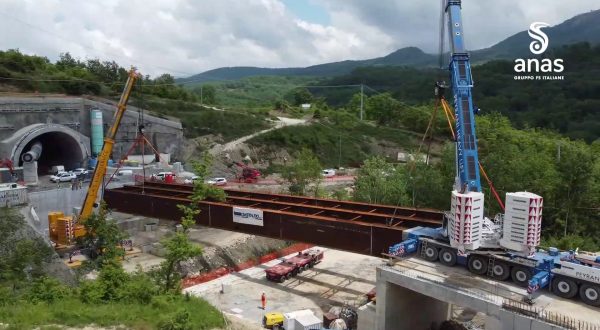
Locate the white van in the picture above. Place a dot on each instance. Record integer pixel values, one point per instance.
(57, 168)
(329, 173)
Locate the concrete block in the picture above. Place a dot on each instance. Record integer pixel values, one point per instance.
(367, 317)
(30, 173)
(507, 320)
(147, 248)
(158, 250)
(543, 326)
(522, 322)
(492, 323)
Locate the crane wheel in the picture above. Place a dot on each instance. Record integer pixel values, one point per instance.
(590, 294)
(564, 287)
(447, 257)
(430, 253)
(521, 276)
(501, 271)
(477, 265)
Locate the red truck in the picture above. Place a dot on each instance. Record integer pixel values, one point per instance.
(294, 265)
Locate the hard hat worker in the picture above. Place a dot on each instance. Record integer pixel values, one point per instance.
(263, 301)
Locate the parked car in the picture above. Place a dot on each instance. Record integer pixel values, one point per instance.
(329, 173)
(63, 177)
(191, 179)
(125, 173)
(161, 176)
(80, 171)
(217, 181)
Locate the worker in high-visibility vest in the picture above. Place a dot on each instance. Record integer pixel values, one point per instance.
(263, 301)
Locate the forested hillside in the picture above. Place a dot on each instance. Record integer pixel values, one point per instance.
(570, 106)
(29, 73)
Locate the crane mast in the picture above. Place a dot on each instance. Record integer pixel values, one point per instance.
(109, 141)
(462, 83)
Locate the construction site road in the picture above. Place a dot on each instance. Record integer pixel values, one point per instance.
(342, 278)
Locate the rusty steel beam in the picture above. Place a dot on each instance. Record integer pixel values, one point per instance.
(404, 213)
(318, 221)
(305, 208)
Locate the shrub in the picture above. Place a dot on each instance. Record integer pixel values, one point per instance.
(47, 290)
(91, 292)
(178, 321)
(139, 289)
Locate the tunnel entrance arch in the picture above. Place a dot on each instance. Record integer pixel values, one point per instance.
(61, 145)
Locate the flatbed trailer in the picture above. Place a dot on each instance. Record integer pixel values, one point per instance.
(292, 266)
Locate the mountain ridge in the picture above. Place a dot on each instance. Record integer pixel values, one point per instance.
(580, 28)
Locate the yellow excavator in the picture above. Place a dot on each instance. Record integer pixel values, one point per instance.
(64, 229)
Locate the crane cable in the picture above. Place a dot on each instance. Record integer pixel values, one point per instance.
(450, 117)
(430, 125)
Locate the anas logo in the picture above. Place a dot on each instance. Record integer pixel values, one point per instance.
(540, 39)
(538, 68)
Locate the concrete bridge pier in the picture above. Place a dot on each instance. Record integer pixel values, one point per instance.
(401, 308)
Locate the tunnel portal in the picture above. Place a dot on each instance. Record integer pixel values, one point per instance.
(58, 148)
(60, 145)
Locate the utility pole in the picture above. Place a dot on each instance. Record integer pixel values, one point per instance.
(340, 152)
(361, 101)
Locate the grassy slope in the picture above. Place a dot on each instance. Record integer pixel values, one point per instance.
(324, 140)
(260, 91)
(71, 312)
(198, 120)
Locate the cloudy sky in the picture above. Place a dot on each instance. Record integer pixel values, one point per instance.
(185, 37)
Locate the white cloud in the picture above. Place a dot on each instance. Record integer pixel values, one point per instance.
(184, 37)
(486, 22)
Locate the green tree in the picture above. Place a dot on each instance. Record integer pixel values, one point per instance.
(353, 106)
(178, 246)
(301, 96)
(302, 172)
(429, 186)
(383, 108)
(103, 239)
(21, 258)
(208, 94)
(379, 182)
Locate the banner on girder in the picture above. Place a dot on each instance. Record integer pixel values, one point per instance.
(248, 216)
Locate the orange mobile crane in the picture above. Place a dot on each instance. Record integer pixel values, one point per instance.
(63, 229)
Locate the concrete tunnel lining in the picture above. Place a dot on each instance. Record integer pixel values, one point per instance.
(61, 145)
